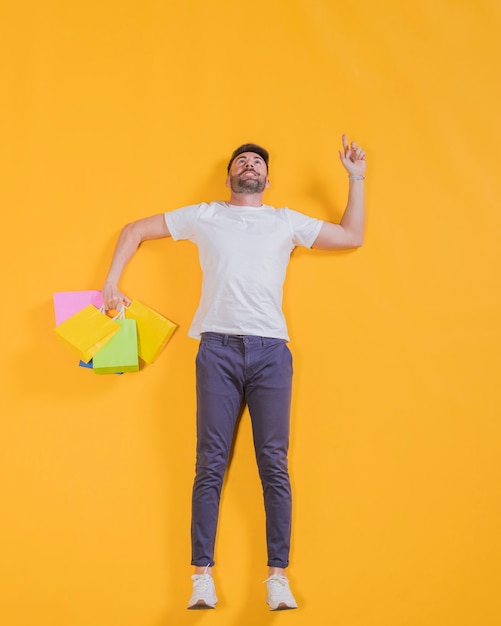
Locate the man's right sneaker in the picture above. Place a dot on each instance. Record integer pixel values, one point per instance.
(204, 592)
(279, 597)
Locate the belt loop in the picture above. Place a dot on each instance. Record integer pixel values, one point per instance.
(263, 341)
(226, 340)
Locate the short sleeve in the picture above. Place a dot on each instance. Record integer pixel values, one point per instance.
(305, 229)
(181, 222)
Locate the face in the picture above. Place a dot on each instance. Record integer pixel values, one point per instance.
(248, 174)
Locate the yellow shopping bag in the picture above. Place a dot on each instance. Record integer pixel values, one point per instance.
(86, 332)
(153, 330)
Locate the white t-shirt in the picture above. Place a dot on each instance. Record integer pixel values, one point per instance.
(244, 252)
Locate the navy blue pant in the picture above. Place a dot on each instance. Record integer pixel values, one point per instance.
(233, 370)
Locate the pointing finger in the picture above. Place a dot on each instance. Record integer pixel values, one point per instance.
(345, 143)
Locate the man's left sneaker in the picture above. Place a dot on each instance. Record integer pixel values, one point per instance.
(279, 597)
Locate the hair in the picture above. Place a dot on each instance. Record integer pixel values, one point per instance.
(250, 147)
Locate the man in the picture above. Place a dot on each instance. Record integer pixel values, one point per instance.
(243, 357)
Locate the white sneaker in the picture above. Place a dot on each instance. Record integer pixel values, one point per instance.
(279, 597)
(204, 593)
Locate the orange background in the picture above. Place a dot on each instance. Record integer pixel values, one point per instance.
(112, 111)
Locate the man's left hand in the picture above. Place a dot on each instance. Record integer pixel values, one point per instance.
(353, 158)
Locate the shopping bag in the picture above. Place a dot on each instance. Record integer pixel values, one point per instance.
(120, 353)
(87, 331)
(153, 330)
(90, 365)
(67, 303)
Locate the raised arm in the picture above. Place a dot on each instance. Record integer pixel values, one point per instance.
(349, 233)
(131, 236)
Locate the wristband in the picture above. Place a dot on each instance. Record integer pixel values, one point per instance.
(356, 177)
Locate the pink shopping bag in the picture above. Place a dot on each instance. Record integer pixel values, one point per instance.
(67, 303)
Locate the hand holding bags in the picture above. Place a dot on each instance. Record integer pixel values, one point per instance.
(110, 345)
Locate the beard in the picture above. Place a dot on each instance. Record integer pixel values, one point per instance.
(247, 185)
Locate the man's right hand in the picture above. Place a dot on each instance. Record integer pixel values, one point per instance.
(113, 298)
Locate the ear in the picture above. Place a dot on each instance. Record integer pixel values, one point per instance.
(227, 183)
(267, 183)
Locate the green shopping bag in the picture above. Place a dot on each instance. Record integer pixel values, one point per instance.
(119, 355)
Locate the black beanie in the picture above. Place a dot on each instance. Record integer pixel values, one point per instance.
(250, 147)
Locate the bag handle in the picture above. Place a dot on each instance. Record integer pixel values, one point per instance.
(119, 316)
